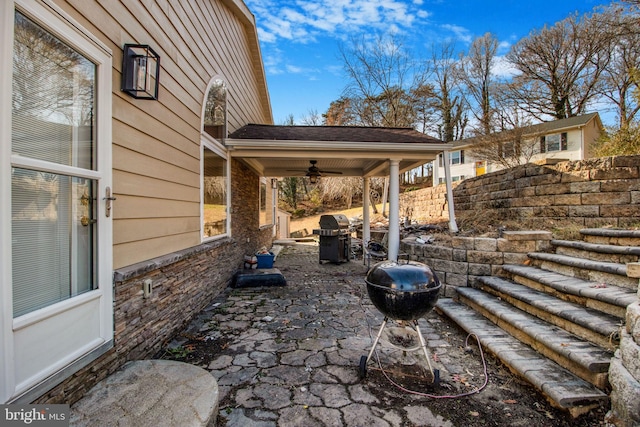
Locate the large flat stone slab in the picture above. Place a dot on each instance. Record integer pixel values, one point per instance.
(150, 393)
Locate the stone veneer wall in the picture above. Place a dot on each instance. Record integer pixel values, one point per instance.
(586, 193)
(624, 371)
(183, 284)
(465, 259)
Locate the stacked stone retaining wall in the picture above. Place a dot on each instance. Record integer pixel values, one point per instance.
(586, 193)
(465, 259)
(624, 371)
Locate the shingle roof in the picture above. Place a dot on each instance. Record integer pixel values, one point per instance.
(332, 133)
(563, 123)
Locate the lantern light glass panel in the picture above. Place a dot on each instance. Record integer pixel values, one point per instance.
(140, 71)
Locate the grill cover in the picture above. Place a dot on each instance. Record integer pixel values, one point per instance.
(334, 222)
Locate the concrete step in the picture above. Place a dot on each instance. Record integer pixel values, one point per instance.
(597, 252)
(581, 357)
(611, 236)
(561, 387)
(599, 328)
(609, 273)
(606, 298)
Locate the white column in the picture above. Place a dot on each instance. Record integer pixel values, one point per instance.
(393, 245)
(453, 227)
(274, 206)
(366, 219)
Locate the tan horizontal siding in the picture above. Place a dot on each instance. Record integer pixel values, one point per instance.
(148, 207)
(156, 144)
(129, 253)
(135, 185)
(132, 230)
(158, 122)
(139, 164)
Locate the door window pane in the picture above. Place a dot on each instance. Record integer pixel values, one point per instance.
(53, 234)
(52, 98)
(53, 238)
(214, 194)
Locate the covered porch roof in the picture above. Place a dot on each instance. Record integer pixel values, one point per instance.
(280, 151)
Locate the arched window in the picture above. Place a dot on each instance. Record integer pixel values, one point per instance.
(214, 163)
(215, 110)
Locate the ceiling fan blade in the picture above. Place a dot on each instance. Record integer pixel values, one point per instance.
(331, 172)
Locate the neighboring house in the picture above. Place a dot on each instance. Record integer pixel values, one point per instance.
(124, 213)
(566, 139)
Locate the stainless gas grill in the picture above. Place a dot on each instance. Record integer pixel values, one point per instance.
(335, 238)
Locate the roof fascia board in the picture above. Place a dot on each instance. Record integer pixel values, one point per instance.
(239, 9)
(548, 131)
(264, 144)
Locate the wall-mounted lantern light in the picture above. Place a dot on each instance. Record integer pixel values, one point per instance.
(140, 71)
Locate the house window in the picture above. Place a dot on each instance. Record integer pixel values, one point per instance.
(215, 167)
(264, 212)
(555, 142)
(214, 193)
(457, 157)
(215, 110)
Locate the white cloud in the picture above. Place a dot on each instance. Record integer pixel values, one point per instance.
(502, 68)
(294, 70)
(460, 33)
(503, 46)
(305, 20)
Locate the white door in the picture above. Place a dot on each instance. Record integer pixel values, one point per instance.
(55, 221)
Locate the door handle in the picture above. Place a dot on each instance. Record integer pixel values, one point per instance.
(108, 198)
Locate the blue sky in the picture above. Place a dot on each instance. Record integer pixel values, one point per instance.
(299, 39)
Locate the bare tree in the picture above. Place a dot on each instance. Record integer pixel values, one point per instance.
(381, 75)
(560, 66)
(343, 189)
(424, 107)
(312, 118)
(289, 120)
(449, 102)
(512, 147)
(618, 83)
(475, 72)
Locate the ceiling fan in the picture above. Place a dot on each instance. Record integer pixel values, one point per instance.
(314, 172)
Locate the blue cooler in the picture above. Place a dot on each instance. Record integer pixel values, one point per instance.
(265, 260)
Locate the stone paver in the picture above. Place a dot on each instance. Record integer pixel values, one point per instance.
(293, 352)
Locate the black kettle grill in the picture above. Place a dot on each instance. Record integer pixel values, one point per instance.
(402, 291)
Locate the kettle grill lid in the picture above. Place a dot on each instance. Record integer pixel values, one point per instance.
(406, 276)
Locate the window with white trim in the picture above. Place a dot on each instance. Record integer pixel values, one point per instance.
(214, 193)
(215, 168)
(554, 142)
(215, 110)
(457, 157)
(264, 209)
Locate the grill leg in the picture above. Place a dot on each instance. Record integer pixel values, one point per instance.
(423, 344)
(375, 343)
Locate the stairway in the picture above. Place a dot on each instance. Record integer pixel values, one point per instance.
(555, 321)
